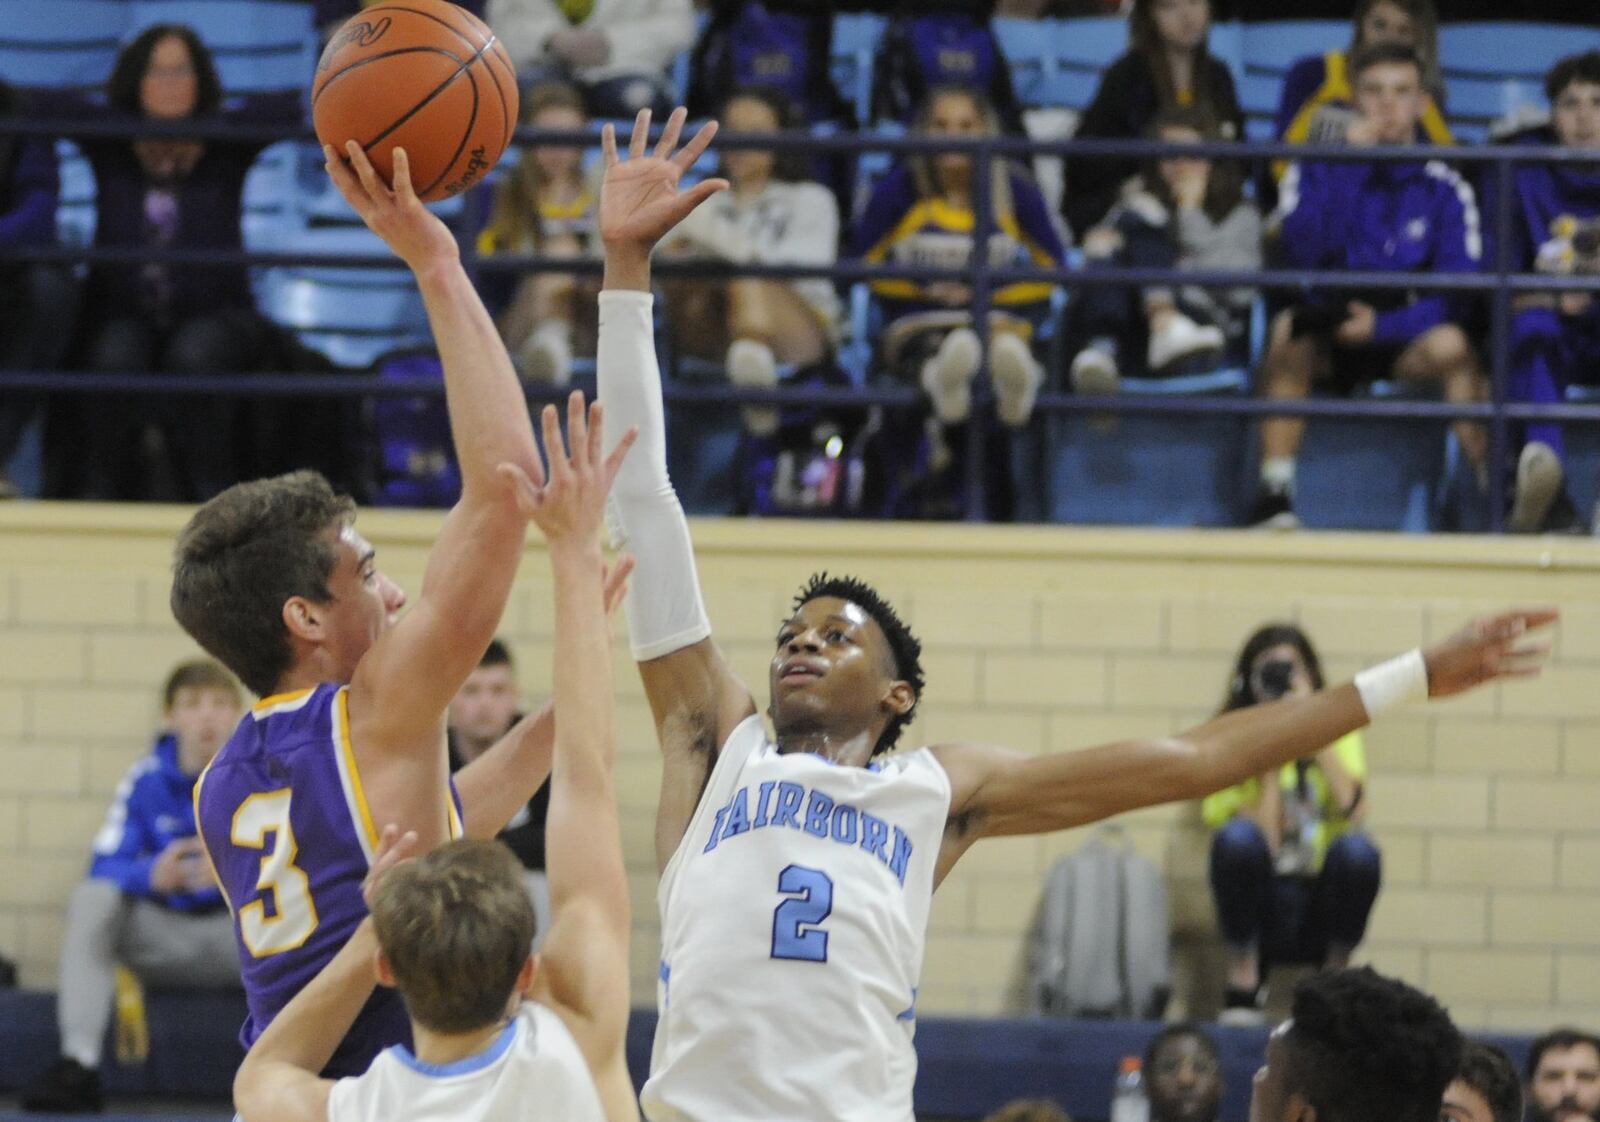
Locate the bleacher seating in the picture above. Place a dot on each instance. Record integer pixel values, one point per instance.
(1493, 70)
(1266, 52)
(1370, 473)
(856, 36)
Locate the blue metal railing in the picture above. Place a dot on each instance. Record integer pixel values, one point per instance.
(1499, 282)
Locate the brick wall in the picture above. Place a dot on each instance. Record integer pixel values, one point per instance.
(1487, 808)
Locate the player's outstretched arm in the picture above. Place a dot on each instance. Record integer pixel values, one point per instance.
(278, 1081)
(499, 783)
(584, 964)
(403, 685)
(998, 791)
(694, 695)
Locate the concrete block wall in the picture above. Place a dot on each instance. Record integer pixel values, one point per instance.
(1047, 639)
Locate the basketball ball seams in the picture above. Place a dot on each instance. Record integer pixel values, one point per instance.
(464, 68)
(380, 56)
(466, 135)
(444, 23)
(492, 51)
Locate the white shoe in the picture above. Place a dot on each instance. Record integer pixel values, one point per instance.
(947, 376)
(1094, 371)
(1181, 338)
(1016, 376)
(752, 366)
(1539, 479)
(547, 355)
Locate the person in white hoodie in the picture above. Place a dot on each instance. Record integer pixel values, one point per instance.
(618, 51)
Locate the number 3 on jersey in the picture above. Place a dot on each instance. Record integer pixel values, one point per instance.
(294, 916)
(795, 933)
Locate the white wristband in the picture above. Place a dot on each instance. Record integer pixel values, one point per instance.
(1393, 683)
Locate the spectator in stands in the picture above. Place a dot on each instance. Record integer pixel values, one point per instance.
(547, 205)
(1357, 1045)
(482, 713)
(1555, 337)
(1182, 211)
(1168, 65)
(921, 214)
(38, 299)
(1029, 1110)
(1183, 1075)
(1407, 217)
(150, 901)
(617, 51)
(929, 44)
(1316, 106)
(1293, 874)
(1564, 1077)
(773, 214)
(167, 193)
(1485, 1090)
(780, 44)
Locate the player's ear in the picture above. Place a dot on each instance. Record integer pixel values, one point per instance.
(527, 975)
(383, 970)
(900, 698)
(303, 618)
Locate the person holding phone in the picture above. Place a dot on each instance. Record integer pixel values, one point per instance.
(1293, 874)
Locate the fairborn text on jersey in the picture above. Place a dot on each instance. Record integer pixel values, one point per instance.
(823, 818)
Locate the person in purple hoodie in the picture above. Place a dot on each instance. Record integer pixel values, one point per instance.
(1555, 337)
(150, 901)
(164, 192)
(1406, 217)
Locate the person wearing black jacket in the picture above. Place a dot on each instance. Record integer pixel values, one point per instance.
(1167, 65)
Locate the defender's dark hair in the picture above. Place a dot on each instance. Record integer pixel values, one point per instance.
(1364, 1047)
(1490, 1072)
(1574, 68)
(1184, 1030)
(122, 88)
(1379, 54)
(199, 674)
(906, 647)
(1241, 692)
(497, 654)
(243, 555)
(1560, 1040)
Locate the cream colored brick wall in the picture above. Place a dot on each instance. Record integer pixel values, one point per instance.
(1487, 808)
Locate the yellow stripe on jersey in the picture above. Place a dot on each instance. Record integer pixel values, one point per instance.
(199, 833)
(273, 702)
(358, 794)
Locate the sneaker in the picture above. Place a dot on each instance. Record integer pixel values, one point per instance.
(752, 366)
(1016, 376)
(1094, 371)
(947, 376)
(66, 1088)
(1539, 479)
(1272, 511)
(547, 355)
(1182, 338)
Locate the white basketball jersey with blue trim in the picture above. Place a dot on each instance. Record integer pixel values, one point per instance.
(793, 917)
(532, 1071)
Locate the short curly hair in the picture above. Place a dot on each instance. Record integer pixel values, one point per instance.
(906, 647)
(1363, 1046)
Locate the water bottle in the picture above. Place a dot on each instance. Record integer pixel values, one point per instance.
(1128, 1101)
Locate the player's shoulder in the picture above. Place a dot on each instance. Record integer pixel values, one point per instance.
(286, 714)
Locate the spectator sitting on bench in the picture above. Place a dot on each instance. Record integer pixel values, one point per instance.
(1401, 217)
(1564, 1077)
(150, 901)
(1183, 1075)
(1486, 1089)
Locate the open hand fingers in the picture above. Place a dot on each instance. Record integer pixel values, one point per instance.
(525, 491)
(698, 194)
(641, 135)
(555, 449)
(365, 171)
(670, 134)
(402, 178)
(618, 454)
(608, 145)
(697, 145)
(594, 454)
(616, 581)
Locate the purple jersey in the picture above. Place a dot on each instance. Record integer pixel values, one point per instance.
(285, 821)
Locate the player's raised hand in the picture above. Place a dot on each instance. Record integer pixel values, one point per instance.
(394, 213)
(569, 506)
(639, 198)
(1489, 648)
(393, 848)
(616, 582)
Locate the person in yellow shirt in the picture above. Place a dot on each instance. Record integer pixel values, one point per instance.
(1293, 874)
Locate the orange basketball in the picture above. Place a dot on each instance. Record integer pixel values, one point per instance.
(423, 75)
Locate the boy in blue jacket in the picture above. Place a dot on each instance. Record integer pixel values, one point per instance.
(150, 901)
(1555, 337)
(1406, 217)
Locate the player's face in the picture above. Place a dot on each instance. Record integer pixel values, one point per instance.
(1185, 1082)
(487, 701)
(1389, 95)
(365, 602)
(169, 89)
(1464, 1104)
(1175, 169)
(202, 718)
(557, 163)
(1576, 115)
(1270, 1100)
(832, 670)
(1566, 1084)
(748, 165)
(1181, 25)
(1388, 23)
(955, 114)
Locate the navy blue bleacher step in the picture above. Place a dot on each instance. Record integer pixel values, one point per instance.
(1583, 454)
(1371, 473)
(1148, 469)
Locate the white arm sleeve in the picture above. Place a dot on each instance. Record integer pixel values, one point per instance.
(665, 611)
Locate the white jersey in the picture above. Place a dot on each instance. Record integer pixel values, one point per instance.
(533, 1071)
(793, 917)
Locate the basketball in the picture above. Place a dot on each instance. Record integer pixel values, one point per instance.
(423, 75)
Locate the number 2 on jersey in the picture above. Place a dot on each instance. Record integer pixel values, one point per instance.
(795, 933)
(294, 916)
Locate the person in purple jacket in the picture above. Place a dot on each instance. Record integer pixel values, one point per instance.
(167, 193)
(1402, 217)
(150, 901)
